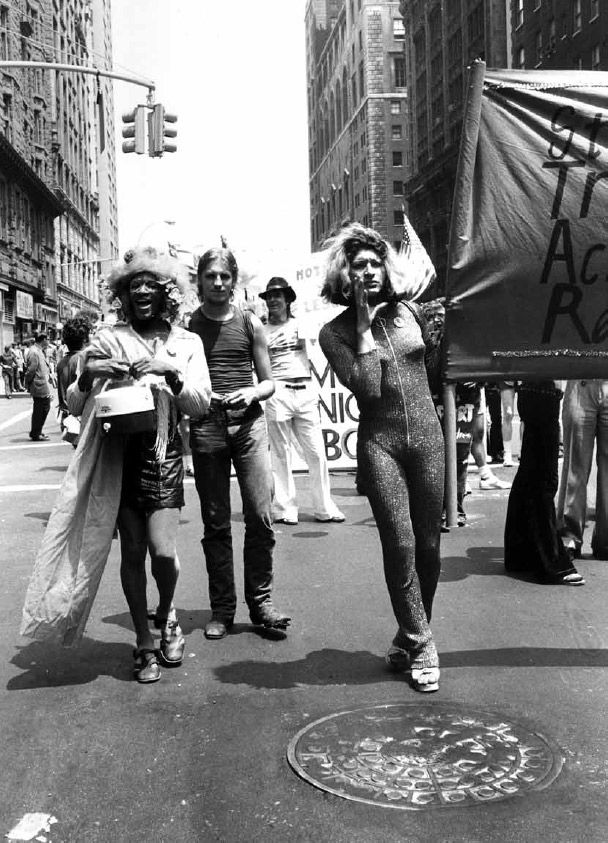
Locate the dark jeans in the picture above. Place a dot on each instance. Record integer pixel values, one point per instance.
(216, 442)
(40, 411)
(532, 543)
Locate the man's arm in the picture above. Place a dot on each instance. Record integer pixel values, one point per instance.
(261, 361)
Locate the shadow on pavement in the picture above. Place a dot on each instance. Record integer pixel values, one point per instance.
(189, 620)
(479, 561)
(51, 665)
(338, 667)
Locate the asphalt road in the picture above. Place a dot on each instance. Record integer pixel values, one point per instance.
(201, 755)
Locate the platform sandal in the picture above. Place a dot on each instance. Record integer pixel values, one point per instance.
(146, 668)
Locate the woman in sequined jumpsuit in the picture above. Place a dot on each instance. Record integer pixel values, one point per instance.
(377, 350)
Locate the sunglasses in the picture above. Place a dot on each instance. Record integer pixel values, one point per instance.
(358, 265)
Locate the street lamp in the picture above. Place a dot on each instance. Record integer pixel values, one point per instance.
(151, 225)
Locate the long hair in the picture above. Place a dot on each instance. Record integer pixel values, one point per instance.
(343, 247)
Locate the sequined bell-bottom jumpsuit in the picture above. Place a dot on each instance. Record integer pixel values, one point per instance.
(400, 451)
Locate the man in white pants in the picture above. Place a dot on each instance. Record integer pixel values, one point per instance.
(293, 411)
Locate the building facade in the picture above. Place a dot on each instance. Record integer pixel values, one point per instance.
(560, 34)
(357, 116)
(56, 164)
(442, 38)
(28, 204)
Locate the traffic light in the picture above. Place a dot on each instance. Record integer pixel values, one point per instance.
(135, 129)
(158, 131)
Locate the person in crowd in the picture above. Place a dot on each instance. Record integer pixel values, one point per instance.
(487, 478)
(233, 431)
(494, 445)
(507, 404)
(532, 542)
(38, 381)
(7, 361)
(18, 369)
(377, 350)
(134, 480)
(585, 425)
(292, 412)
(75, 334)
(466, 398)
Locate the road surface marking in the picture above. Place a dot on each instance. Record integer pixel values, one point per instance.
(33, 445)
(14, 419)
(32, 488)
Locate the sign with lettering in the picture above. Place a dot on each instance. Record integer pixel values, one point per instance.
(528, 268)
(25, 305)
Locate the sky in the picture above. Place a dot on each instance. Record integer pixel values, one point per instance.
(234, 72)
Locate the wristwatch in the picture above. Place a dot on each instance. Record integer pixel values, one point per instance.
(175, 382)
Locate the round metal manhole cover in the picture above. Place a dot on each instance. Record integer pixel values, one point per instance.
(417, 757)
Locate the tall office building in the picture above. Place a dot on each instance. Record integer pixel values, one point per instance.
(28, 204)
(357, 115)
(57, 163)
(106, 144)
(442, 38)
(562, 34)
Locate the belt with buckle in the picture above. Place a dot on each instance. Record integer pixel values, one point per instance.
(294, 385)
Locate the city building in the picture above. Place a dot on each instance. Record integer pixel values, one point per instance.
(57, 163)
(562, 34)
(442, 38)
(357, 116)
(28, 204)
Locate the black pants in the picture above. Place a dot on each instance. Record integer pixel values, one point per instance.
(39, 413)
(532, 543)
(495, 443)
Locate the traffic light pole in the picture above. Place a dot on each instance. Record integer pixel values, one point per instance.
(93, 71)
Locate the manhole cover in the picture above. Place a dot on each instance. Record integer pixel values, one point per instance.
(417, 756)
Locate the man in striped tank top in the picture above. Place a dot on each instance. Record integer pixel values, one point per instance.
(233, 432)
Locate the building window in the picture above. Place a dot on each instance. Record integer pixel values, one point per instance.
(521, 58)
(595, 57)
(519, 19)
(395, 107)
(397, 188)
(398, 216)
(399, 71)
(361, 80)
(398, 29)
(577, 16)
(595, 9)
(396, 131)
(397, 158)
(538, 46)
(4, 33)
(364, 166)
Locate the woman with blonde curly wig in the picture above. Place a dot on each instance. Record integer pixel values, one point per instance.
(376, 347)
(135, 480)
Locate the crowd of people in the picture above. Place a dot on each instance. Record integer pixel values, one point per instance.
(242, 388)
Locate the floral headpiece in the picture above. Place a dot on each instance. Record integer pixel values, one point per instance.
(171, 275)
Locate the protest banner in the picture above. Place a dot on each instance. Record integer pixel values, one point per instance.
(527, 282)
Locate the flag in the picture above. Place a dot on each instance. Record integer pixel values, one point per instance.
(420, 265)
